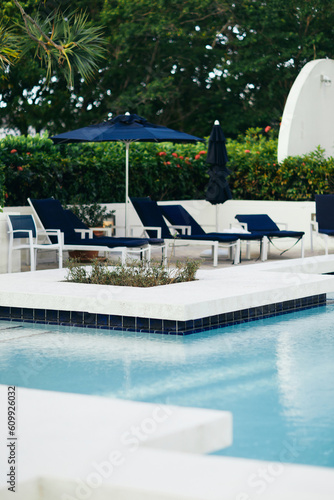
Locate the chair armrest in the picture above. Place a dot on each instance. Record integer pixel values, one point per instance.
(236, 223)
(284, 224)
(28, 231)
(83, 232)
(154, 228)
(151, 228)
(52, 232)
(314, 226)
(186, 230)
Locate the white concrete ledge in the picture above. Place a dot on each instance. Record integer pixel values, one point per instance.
(74, 447)
(216, 291)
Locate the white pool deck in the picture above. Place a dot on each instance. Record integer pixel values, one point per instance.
(71, 446)
(215, 292)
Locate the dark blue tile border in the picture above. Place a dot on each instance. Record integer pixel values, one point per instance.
(156, 325)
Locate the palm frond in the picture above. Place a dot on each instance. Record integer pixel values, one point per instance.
(66, 43)
(9, 47)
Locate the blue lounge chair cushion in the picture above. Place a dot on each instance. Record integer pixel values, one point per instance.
(263, 224)
(25, 222)
(324, 204)
(258, 222)
(53, 216)
(150, 215)
(179, 216)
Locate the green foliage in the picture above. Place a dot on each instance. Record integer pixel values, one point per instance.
(95, 173)
(256, 174)
(66, 44)
(90, 173)
(134, 273)
(181, 64)
(2, 187)
(92, 215)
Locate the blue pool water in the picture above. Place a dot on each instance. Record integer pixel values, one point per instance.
(276, 376)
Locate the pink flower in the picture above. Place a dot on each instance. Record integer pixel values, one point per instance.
(174, 154)
(197, 157)
(247, 150)
(28, 153)
(178, 166)
(6, 195)
(181, 157)
(14, 151)
(20, 168)
(162, 153)
(274, 164)
(267, 129)
(168, 163)
(303, 164)
(202, 153)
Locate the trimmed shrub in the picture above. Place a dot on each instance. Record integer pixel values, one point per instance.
(95, 172)
(88, 173)
(256, 174)
(2, 187)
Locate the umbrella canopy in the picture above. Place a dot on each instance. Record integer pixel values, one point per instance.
(218, 190)
(126, 128)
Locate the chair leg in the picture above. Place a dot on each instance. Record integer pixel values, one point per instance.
(60, 257)
(215, 253)
(237, 252)
(124, 256)
(302, 247)
(248, 250)
(32, 259)
(326, 244)
(264, 249)
(10, 256)
(148, 250)
(164, 255)
(311, 238)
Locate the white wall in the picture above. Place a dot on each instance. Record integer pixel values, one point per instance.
(308, 116)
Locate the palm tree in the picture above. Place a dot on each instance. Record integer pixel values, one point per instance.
(67, 43)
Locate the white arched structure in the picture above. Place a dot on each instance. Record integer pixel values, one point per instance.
(308, 117)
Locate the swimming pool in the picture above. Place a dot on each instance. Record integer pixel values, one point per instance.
(275, 375)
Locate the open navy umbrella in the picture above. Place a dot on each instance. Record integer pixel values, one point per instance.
(218, 190)
(126, 128)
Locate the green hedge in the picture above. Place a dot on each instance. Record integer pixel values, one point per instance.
(96, 172)
(87, 173)
(256, 174)
(2, 186)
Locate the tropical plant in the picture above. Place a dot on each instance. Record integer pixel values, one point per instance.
(9, 43)
(66, 43)
(92, 215)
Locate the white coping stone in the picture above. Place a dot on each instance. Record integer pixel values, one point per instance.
(215, 292)
(72, 447)
(62, 434)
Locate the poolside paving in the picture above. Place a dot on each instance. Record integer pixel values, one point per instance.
(66, 440)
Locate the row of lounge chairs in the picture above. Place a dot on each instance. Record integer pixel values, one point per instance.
(63, 231)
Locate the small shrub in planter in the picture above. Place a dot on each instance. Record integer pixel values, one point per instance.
(135, 273)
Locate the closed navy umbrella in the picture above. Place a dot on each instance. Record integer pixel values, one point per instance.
(126, 128)
(217, 190)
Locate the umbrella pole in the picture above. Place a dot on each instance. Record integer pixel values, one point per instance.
(127, 146)
(217, 214)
